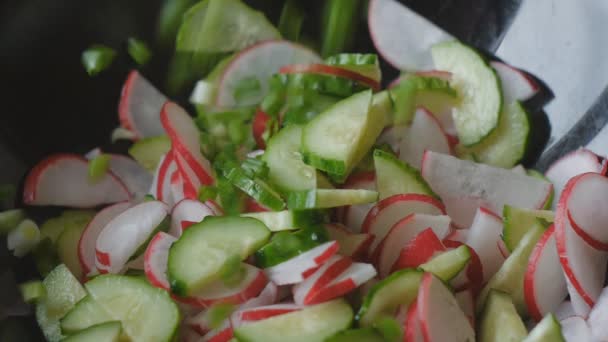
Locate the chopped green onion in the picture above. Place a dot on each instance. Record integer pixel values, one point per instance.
(340, 19)
(97, 58)
(98, 167)
(290, 22)
(23, 238)
(206, 193)
(255, 167)
(32, 291)
(9, 220)
(139, 51)
(389, 328)
(246, 89)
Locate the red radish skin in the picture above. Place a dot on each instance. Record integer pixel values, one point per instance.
(251, 206)
(155, 260)
(304, 292)
(424, 133)
(63, 180)
(296, 269)
(586, 195)
(221, 334)
(504, 251)
(413, 330)
(544, 268)
(244, 316)
(88, 239)
(354, 215)
(440, 316)
(322, 69)
(259, 126)
(419, 250)
(161, 185)
(390, 210)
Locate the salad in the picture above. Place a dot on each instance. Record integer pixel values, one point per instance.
(306, 201)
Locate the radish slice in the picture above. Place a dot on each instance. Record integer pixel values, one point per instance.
(484, 236)
(597, 317)
(139, 107)
(137, 179)
(392, 136)
(440, 316)
(516, 85)
(458, 180)
(88, 239)
(185, 143)
(244, 316)
(161, 183)
(354, 215)
(63, 180)
(570, 165)
(217, 292)
(297, 268)
(155, 259)
(419, 250)
(425, 133)
(544, 268)
(124, 234)
(585, 198)
(472, 276)
(268, 296)
(575, 329)
(323, 69)
(223, 333)
(351, 245)
(258, 63)
(403, 232)
(466, 302)
(186, 213)
(460, 235)
(413, 328)
(401, 36)
(584, 266)
(564, 310)
(383, 216)
(305, 292)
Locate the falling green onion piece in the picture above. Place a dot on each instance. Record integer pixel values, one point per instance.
(290, 22)
(98, 167)
(139, 51)
(97, 58)
(340, 19)
(32, 291)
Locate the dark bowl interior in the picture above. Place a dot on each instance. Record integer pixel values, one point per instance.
(51, 105)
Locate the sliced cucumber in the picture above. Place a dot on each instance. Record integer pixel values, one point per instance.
(285, 165)
(200, 254)
(32, 291)
(53, 227)
(84, 314)
(329, 198)
(510, 276)
(311, 324)
(363, 64)
(536, 174)
(148, 151)
(332, 140)
(278, 221)
(547, 330)
(9, 219)
(380, 115)
(287, 245)
(67, 245)
(400, 288)
(500, 321)
(48, 324)
(448, 264)
(104, 332)
(517, 222)
(258, 189)
(477, 115)
(357, 335)
(396, 177)
(147, 313)
(432, 93)
(506, 145)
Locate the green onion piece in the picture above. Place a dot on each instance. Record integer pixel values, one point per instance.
(290, 22)
(206, 193)
(32, 291)
(255, 167)
(340, 19)
(139, 51)
(389, 328)
(97, 58)
(10, 219)
(232, 272)
(247, 89)
(23, 238)
(98, 167)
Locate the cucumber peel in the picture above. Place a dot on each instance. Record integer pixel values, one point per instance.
(394, 176)
(517, 222)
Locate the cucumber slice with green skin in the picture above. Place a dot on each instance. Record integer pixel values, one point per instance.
(507, 144)
(313, 323)
(517, 222)
(396, 177)
(199, 256)
(400, 288)
(500, 321)
(510, 276)
(9, 219)
(278, 221)
(478, 113)
(536, 174)
(331, 141)
(329, 198)
(432, 93)
(548, 329)
(147, 313)
(63, 291)
(32, 291)
(149, 151)
(448, 265)
(84, 314)
(104, 332)
(258, 189)
(364, 64)
(357, 335)
(287, 245)
(286, 168)
(67, 244)
(53, 227)
(48, 324)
